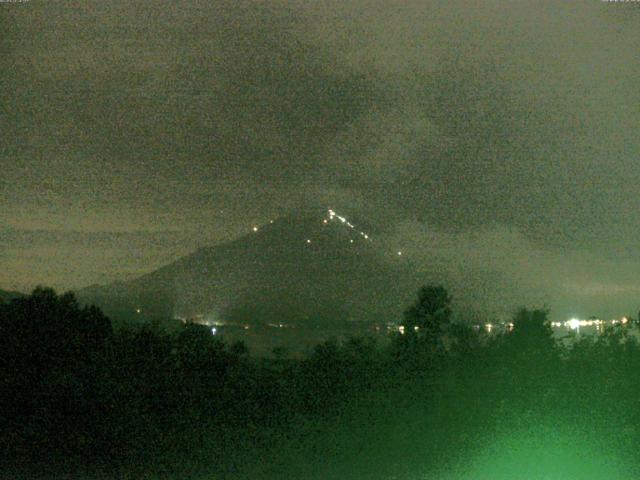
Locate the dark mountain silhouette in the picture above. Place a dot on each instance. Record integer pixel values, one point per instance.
(312, 267)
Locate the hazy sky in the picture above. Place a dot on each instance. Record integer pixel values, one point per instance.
(496, 141)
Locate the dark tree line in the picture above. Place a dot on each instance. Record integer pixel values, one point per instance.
(78, 396)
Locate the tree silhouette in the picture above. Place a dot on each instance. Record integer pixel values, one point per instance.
(45, 330)
(430, 314)
(531, 329)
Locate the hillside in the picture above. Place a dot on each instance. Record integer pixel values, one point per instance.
(314, 267)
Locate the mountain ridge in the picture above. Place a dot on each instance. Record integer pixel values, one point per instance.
(299, 267)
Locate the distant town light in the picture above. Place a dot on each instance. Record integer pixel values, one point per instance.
(573, 324)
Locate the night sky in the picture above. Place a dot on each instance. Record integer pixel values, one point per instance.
(496, 144)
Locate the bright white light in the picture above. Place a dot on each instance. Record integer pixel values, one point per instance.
(270, 221)
(213, 330)
(489, 327)
(138, 310)
(401, 329)
(351, 240)
(325, 221)
(308, 240)
(399, 252)
(333, 215)
(255, 229)
(573, 324)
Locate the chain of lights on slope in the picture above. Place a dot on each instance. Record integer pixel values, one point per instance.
(333, 216)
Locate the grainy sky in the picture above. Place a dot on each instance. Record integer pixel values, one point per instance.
(496, 141)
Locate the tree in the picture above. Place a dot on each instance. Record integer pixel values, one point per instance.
(532, 327)
(531, 342)
(45, 330)
(430, 314)
(52, 360)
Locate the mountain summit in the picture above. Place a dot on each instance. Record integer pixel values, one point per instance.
(311, 267)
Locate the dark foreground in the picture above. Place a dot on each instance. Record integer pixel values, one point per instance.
(82, 401)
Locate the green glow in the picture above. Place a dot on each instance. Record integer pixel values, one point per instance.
(543, 453)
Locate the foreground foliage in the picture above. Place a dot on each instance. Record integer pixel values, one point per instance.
(78, 397)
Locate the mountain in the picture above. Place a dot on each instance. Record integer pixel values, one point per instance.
(312, 267)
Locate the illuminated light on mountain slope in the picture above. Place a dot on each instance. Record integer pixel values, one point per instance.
(333, 215)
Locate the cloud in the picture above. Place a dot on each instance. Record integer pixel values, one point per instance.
(141, 104)
(67, 259)
(495, 270)
(520, 113)
(502, 133)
